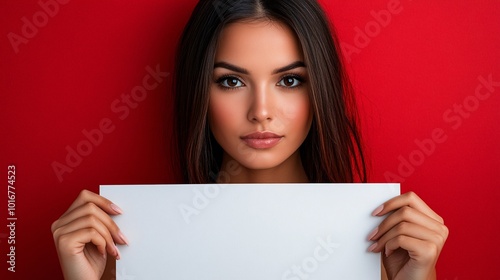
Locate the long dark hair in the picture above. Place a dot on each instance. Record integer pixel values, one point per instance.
(332, 151)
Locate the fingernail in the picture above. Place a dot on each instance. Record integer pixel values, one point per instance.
(116, 208)
(372, 247)
(378, 210)
(373, 233)
(388, 252)
(117, 253)
(123, 237)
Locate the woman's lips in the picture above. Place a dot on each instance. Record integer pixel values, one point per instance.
(262, 140)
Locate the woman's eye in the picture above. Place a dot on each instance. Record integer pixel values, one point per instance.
(230, 82)
(290, 82)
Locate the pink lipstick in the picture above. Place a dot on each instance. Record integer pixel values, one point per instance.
(262, 140)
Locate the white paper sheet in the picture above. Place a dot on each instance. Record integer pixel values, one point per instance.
(248, 231)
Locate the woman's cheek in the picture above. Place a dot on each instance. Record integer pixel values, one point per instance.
(223, 114)
(296, 113)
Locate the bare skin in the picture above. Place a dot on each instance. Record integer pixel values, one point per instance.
(85, 236)
(253, 93)
(410, 238)
(261, 98)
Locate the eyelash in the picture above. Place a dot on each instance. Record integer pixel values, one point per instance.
(223, 78)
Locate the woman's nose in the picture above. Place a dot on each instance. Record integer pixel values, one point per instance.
(262, 104)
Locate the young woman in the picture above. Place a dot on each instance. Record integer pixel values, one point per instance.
(262, 97)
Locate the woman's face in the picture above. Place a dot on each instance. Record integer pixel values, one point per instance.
(259, 110)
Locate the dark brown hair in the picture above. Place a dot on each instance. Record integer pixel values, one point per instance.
(332, 151)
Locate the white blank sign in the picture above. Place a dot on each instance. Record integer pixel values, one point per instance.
(248, 231)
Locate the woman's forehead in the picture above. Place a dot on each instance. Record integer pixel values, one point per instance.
(258, 44)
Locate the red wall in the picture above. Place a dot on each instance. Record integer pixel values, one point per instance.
(420, 68)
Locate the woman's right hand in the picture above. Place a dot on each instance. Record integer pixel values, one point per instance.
(85, 236)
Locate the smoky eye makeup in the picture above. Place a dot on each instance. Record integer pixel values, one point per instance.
(296, 81)
(229, 82)
(289, 78)
(288, 81)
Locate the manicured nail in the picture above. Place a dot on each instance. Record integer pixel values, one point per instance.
(116, 208)
(372, 247)
(123, 237)
(373, 233)
(378, 210)
(388, 252)
(117, 253)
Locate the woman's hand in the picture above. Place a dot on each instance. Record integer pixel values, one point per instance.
(410, 238)
(85, 236)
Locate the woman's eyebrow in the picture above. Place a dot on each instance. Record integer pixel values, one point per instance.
(231, 67)
(235, 68)
(291, 66)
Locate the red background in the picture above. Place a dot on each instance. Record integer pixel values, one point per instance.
(408, 73)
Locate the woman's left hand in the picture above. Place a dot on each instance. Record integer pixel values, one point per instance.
(410, 238)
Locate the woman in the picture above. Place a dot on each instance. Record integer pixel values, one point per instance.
(262, 97)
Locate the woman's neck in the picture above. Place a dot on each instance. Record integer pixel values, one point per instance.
(290, 171)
